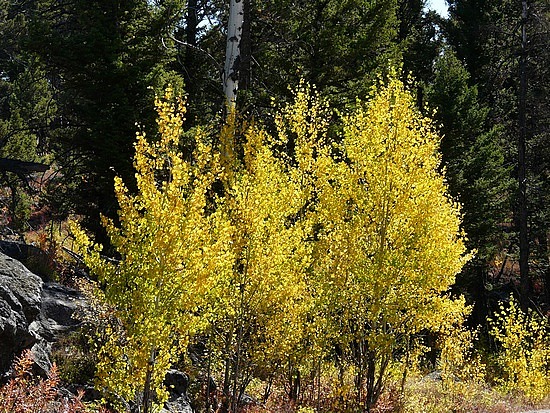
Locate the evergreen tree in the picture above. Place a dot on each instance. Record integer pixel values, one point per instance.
(466, 30)
(419, 40)
(339, 46)
(27, 110)
(504, 46)
(103, 58)
(473, 155)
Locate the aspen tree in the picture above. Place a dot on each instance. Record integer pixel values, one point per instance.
(257, 310)
(170, 248)
(232, 52)
(389, 241)
(280, 257)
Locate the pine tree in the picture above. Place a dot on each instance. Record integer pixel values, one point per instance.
(503, 45)
(27, 111)
(103, 58)
(473, 155)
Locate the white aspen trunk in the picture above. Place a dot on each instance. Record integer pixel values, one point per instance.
(232, 52)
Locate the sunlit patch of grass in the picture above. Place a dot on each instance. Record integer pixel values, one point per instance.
(435, 396)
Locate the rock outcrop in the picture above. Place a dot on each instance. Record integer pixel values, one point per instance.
(20, 297)
(33, 314)
(178, 405)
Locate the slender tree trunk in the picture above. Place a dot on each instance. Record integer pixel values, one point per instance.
(227, 374)
(370, 397)
(295, 383)
(319, 384)
(235, 396)
(525, 283)
(147, 393)
(232, 52)
(359, 377)
(267, 390)
(208, 373)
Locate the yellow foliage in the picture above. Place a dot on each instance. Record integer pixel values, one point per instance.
(284, 255)
(525, 351)
(389, 241)
(458, 361)
(257, 310)
(169, 252)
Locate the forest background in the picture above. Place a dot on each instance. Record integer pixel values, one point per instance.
(78, 79)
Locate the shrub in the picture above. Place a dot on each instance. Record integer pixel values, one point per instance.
(281, 260)
(524, 357)
(458, 361)
(75, 359)
(24, 393)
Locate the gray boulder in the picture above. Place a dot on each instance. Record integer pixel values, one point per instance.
(41, 351)
(20, 303)
(179, 405)
(33, 314)
(25, 286)
(57, 306)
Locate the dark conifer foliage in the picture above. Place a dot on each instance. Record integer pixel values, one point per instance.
(504, 45)
(27, 112)
(104, 59)
(340, 46)
(476, 172)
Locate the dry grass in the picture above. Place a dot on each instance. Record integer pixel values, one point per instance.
(422, 395)
(433, 396)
